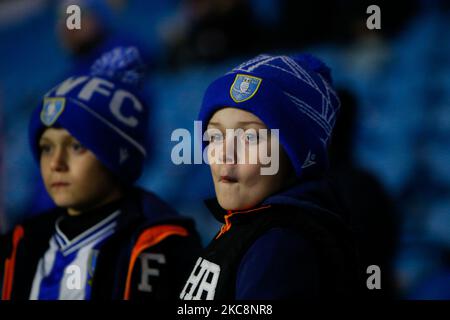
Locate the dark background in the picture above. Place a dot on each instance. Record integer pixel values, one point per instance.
(392, 154)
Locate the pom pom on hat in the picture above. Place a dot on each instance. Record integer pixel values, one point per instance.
(122, 64)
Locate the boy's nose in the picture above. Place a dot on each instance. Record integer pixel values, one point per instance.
(58, 161)
(229, 150)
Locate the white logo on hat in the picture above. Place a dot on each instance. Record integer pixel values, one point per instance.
(123, 155)
(309, 160)
(245, 84)
(90, 87)
(51, 109)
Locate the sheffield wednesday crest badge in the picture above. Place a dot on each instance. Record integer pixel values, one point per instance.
(244, 87)
(51, 110)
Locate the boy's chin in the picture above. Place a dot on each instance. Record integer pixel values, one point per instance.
(235, 204)
(63, 202)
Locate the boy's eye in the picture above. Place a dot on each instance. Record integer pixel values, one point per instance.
(77, 147)
(215, 138)
(45, 148)
(251, 138)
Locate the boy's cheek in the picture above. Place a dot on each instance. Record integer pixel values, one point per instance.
(215, 154)
(45, 176)
(215, 168)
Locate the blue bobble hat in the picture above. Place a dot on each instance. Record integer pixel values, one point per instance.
(104, 110)
(291, 93)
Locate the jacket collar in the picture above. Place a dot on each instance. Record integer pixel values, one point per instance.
(311, 194)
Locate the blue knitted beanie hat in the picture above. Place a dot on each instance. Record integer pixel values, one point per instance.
(291, 93)
(103, 110)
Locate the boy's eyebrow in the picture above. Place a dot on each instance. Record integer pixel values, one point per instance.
(250, 122)
(239, 123)
(44, 139)
(65, 138)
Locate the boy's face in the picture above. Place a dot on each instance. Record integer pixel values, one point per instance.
(72, 175)
(240, 185)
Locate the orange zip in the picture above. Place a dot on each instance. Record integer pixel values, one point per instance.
(10, 264)
(225, 227)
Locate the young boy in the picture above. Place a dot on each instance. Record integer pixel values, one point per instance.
(107, 239)
(283, 234)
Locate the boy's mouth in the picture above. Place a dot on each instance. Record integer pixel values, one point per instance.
(227, 179)
(59, 184)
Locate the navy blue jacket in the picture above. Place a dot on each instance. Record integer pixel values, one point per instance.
(290, 260)
(295, 244)
(146, 225)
